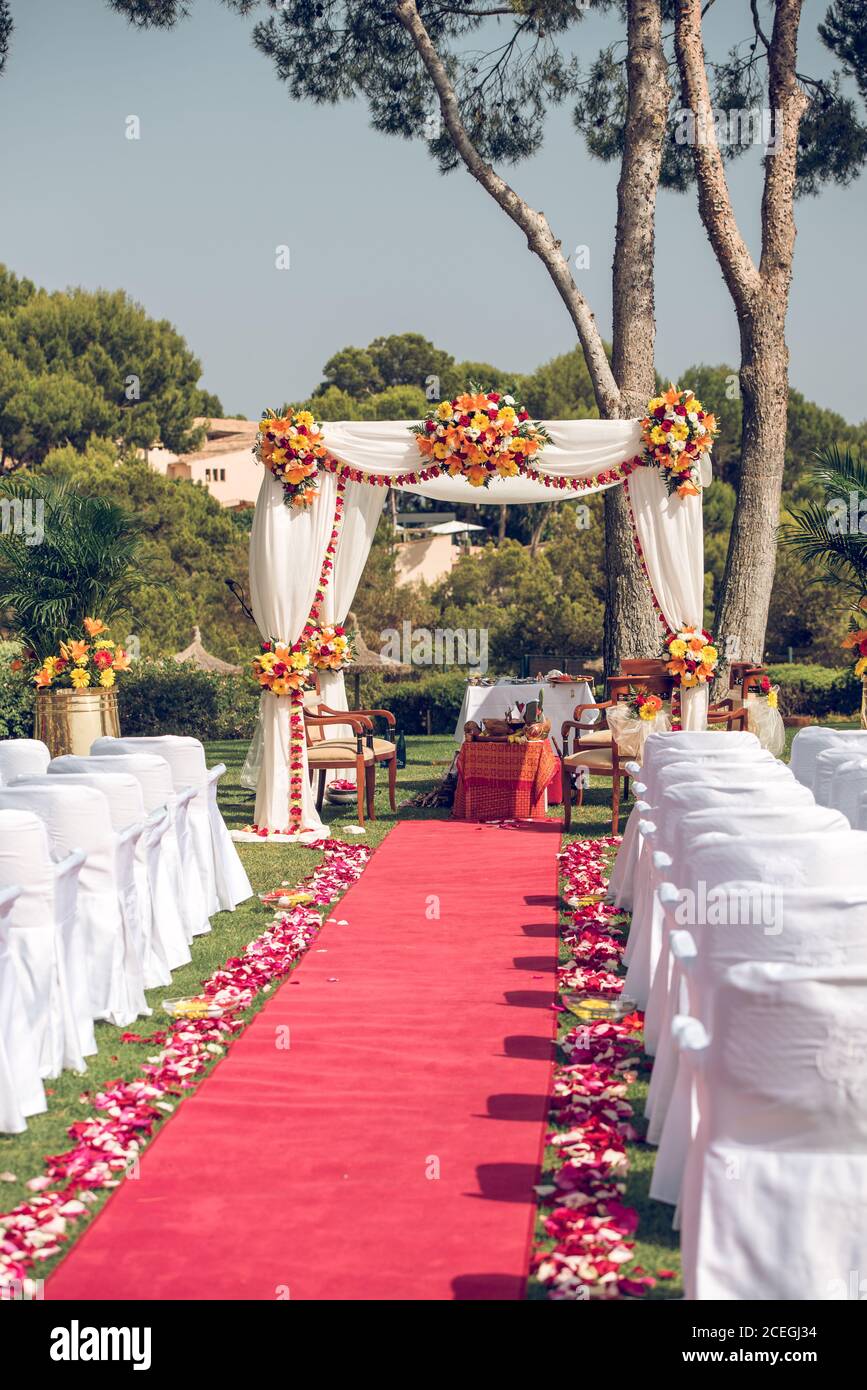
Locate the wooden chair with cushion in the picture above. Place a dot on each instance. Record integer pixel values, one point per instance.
(365, 746)
(596, 749)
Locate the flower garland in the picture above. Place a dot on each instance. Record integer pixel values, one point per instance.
(617, 474)
(126, 1113)
(82, 661)
(588, 1224)
(676, 432)
(479, 435)
(290, 446)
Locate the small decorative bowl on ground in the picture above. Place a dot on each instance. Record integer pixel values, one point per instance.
(341, 792)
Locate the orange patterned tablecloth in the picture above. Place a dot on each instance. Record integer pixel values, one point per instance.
(503, 781)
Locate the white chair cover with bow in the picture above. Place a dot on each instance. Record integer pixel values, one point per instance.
(21, 1092)
(126, 809)
(171, 931)
(225, 877)
(78, 818)
(44, 946)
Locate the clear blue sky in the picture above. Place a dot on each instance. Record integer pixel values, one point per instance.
(187, 218)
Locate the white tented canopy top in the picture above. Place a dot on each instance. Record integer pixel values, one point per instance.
(288, 544)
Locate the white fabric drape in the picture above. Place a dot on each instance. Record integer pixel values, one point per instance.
(287, 546)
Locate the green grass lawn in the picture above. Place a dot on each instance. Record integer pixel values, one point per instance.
(269, 866)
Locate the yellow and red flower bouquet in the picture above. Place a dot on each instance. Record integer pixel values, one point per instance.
(691, 656)
(81, 663)
(282, 668)
(330, 647)
(290, 446)
(480, 435)
(676, 432)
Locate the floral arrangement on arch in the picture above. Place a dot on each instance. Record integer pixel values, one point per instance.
(691, 656)
(283, 669)
(676, 432)
(290, 446)
(480, 435)
(81, 663)
(330, 647)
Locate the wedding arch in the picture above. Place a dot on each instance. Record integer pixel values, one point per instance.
(306, 561)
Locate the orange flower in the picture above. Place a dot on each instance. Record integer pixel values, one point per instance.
(42, 678)
(697, 644)
(704, 672)
(687, 489)
(854, 639)
(121, 660)
(677, 667)
(671, 396)
(75, 651)
(94, 627)
(16, 664)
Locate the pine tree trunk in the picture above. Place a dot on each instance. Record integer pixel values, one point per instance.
(751, 559)
(631, 626)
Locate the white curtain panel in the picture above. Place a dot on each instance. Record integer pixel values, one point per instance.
(287, 546)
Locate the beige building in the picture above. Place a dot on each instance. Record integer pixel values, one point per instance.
(224, 465)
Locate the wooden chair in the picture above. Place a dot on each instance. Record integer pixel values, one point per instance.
(366, 746)
(596, 749)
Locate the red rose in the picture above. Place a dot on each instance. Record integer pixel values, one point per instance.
(464, 420)
(430, 426)
(493, 397)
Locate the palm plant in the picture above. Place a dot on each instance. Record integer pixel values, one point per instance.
(86, 564)
(830, 532)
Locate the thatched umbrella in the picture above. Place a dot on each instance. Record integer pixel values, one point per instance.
(196, 655)
(365, 659)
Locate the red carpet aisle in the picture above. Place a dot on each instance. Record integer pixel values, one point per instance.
(390, 1152)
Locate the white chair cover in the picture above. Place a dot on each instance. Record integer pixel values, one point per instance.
(810, 742)
(21, 1092)
(773, 1203)
(661, 751)
(78, 818)
(799, 861)
(20, 755)
(746, 776)
(126, 809)
(763, 814)
(825, 768)
(170, 930)
(847, 787)
(219, 867)
(44, 946)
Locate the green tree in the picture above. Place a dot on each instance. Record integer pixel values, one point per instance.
(137, 376)
(190, 546)
(87, 563)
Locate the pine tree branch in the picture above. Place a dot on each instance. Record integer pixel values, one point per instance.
(533, 224)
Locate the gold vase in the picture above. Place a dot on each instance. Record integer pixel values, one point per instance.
(68, 721)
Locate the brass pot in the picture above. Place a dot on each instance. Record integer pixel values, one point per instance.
(68, 721)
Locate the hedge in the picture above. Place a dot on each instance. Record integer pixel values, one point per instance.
(816, 691)
(165, 698)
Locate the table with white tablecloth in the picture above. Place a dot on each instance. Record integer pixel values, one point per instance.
(558, 702)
